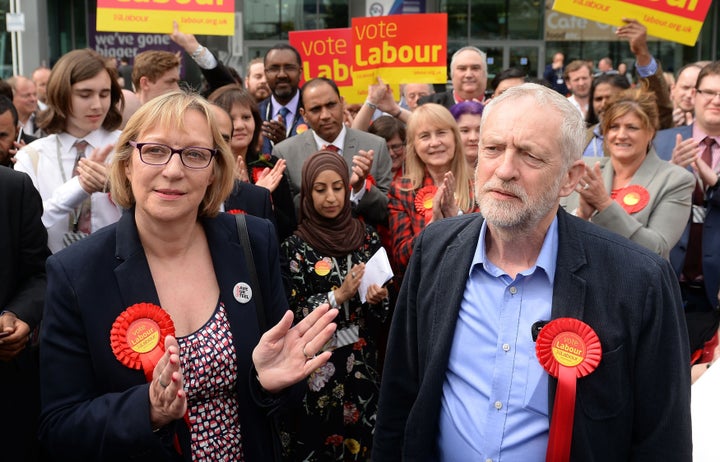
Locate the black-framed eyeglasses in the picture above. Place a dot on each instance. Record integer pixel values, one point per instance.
(709, 94)
(160, 154)
(288, 69)
(396, 147)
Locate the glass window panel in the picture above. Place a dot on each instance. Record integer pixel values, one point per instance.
(525, 19)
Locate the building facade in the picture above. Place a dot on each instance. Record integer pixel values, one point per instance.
(523, 33)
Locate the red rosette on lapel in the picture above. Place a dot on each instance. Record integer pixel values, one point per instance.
(568, 349)
(138, 336)
(424, 201)
(632, 198)
(237, 211)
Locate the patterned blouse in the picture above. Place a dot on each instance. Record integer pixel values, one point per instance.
(208, 361)
(337, 419)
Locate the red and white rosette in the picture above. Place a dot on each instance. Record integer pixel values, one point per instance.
(424, 201)
(568, 349)
(138, 336)
(632, 198)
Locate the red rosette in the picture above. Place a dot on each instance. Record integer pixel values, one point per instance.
(424, 201)
(236, 211)
(568, 349)
(256, 172)
(579, 347)
(632, 198)
(138, 336)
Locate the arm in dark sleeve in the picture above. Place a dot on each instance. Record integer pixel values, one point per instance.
(401, 376)
(27, 301)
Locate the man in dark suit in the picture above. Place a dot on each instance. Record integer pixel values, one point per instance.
(280, 112)
(468, 72)
(696, 257)
(23, 250)
(366, 155)
(462, 379)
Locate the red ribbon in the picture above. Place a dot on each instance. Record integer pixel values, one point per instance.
(568, 349)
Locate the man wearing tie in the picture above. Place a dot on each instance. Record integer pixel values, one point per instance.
(280, 112)
(366, 155)
(68, 167)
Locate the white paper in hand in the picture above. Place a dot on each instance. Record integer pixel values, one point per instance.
(377, 271)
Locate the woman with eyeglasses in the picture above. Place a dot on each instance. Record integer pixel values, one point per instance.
(263, 170)
(393, 131)
(152, 347)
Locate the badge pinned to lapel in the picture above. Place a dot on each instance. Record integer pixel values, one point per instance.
(242, 292)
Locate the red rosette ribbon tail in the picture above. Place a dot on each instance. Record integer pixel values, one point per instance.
(568, 349)
(138, 336)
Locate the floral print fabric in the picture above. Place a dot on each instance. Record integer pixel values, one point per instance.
(337, 417)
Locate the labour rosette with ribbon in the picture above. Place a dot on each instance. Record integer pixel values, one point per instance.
(568, 349)
(424, 201)
(138, 336)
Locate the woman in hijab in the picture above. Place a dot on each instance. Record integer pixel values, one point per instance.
(327, 256)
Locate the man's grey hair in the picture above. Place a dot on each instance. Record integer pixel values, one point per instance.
(476, 50)
(572, 128)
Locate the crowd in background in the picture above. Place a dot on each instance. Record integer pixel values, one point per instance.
(96, 142)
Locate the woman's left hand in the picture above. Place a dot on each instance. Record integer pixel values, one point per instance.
(592, 190)
(270, 179)
(444, 204)
(376, 294)
(285, 355)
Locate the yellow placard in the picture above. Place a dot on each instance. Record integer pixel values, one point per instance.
(157, 18)
(674, 20)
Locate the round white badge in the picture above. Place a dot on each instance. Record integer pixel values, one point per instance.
(242, 292)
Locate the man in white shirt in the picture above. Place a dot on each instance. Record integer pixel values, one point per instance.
(68, 167)
(578, 78)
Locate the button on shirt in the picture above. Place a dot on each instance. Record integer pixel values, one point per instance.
(495, 395)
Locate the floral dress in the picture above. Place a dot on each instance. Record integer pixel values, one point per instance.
(337, 417)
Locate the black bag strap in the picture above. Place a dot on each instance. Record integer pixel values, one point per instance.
(250, 260)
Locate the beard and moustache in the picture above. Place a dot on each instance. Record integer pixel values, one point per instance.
(516, 216)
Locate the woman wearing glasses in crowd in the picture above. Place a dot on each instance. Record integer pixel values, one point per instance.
(151, 347)
(393, 131)
(260, 169)
(436, 184)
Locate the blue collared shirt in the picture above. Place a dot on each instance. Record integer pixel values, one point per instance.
(495, 395)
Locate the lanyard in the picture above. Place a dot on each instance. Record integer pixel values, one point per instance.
(346, 303)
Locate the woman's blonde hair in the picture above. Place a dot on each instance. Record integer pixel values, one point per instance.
(168, 111)
(440, 117)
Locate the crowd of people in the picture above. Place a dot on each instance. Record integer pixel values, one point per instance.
(193, 275)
